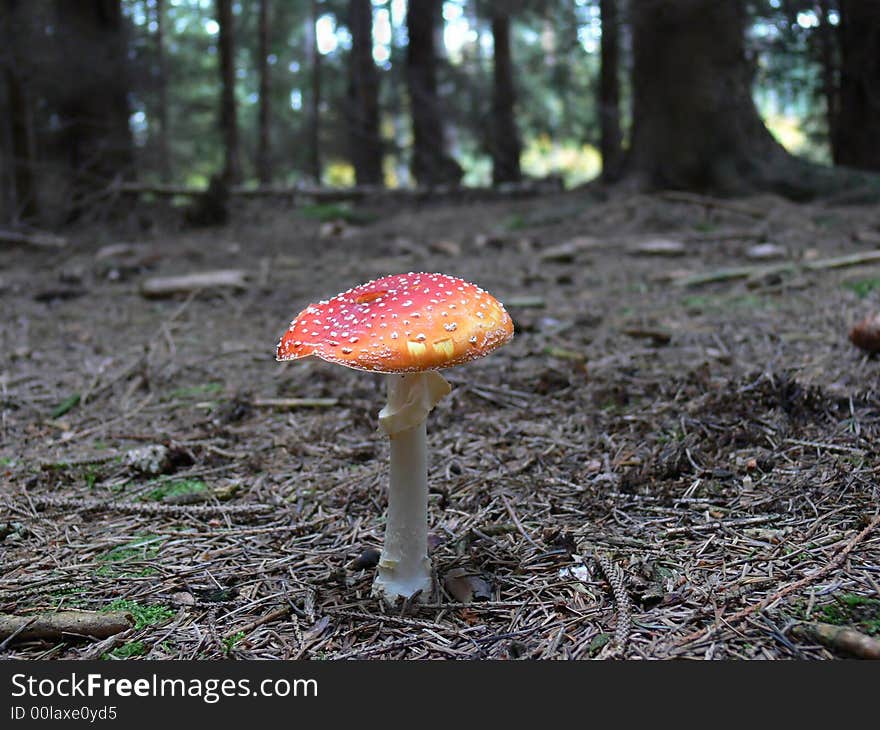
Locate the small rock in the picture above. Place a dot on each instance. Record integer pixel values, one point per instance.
(183, 598)
(152, 460)
(332, 229)
(489, 240)
(450, 248)
(659, 247)
(565, 253)
(765, 251)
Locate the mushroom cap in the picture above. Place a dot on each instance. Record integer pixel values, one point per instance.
(399, 324)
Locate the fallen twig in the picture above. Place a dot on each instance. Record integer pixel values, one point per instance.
(758, 271)
(702, 634)
(164, 286)
(143, 508)
(841, 638)
(720, 524)
(42, 240)
(294, 402)
(273, 615)
(97, 625)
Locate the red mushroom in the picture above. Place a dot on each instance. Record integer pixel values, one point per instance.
(409, 326)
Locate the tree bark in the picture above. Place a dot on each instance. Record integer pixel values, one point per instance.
(93, 99)
(228, 107)
(611, 139)
(363, 96)
(162, 112)
(856, 140)
(264, 151)
(313, 135)
(431, 165)
(695, 125)
(505, 145)
(22, 147)
(20, 150)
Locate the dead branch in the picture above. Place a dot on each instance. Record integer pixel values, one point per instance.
(166, 286)
(759, 271)
(41, 240)
(294, 402)
(840, 638)
(64, 623)
(273, 615)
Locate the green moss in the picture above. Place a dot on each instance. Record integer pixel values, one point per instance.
(230, 641)
(144, 615)
(851, 609)
(127, 651)
(66, 405)
(176, 489)
(862, 287)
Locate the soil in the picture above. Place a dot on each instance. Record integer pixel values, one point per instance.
(654, 467)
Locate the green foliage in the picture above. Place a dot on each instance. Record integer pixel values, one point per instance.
(555, 48)
(144, 615)
(851, 609)
(230, 641)
(127, 651)
(66, 405)
(862, 287)
(176, 489)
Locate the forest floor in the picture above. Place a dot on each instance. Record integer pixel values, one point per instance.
(655, 466)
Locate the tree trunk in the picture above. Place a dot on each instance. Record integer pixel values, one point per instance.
(363, 96)
(856, 141)
(695, 125)
(19, 142)
(162, 112)
(22, 147)
(431, 165)
(313, 137)
(228, 107)
(505, 143)
(264, 158)
(611, 140)
(93, 101)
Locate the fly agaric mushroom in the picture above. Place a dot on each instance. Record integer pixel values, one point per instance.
(408, 326)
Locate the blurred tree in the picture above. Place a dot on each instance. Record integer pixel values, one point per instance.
(363, 96)
(162, 81)
(856, 140)
(228, 106)
(830, 69)
(21, 132)
(505, 144)
(91, 80)
(313, 142)
(695, 124)
(431, 164)
(264, 154)
(611, 141)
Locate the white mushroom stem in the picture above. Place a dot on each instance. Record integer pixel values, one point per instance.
(404, 566)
